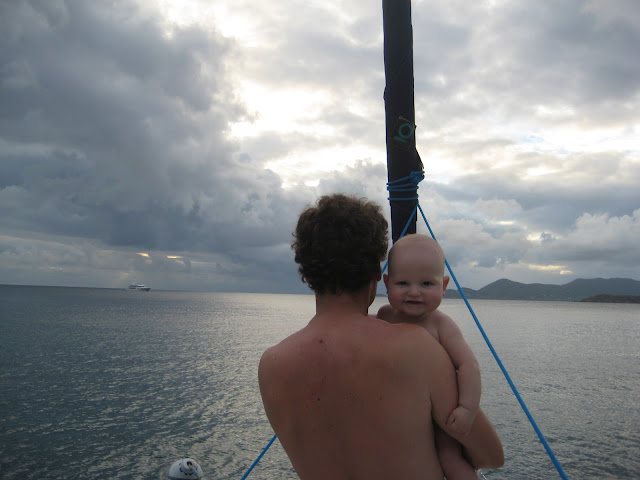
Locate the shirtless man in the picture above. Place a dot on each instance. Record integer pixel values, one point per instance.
(352, 397)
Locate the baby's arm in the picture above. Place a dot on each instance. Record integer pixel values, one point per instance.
(468, 376)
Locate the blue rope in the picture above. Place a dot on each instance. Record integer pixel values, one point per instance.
(410, 184)
(500, 364)
(406, 184)
(255, 462)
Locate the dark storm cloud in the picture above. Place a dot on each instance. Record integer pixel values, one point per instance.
(113, 129)
(513, 57)
(583, 57)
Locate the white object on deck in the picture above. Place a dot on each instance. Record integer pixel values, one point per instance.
(185, 468)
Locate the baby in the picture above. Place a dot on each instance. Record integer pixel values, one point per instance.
(415, 286)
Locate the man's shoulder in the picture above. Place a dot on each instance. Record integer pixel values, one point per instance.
(410, 339)
(279, 362)
(267, 361)
(279, 353)
(285, 345)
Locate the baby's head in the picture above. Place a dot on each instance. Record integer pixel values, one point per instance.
(420, 246)
(415, 281)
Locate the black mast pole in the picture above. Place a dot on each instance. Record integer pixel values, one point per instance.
(402, 156)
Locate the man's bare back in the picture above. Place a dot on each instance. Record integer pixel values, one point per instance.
(352, 402)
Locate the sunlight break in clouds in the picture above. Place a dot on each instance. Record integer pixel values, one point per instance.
(560, 269)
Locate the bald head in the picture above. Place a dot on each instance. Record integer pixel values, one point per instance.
(421, 246)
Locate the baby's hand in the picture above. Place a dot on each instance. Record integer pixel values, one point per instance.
(461, 419)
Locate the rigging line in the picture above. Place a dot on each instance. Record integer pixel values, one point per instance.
(255, 462)
(500, 364)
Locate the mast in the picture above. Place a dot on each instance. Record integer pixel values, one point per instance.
(402, 156)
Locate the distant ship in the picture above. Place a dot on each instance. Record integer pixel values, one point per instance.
(139, 286)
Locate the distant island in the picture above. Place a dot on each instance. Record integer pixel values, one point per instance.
(612, 299)
(610, 290)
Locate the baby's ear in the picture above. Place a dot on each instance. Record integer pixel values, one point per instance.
(385, 277)
(445, 282)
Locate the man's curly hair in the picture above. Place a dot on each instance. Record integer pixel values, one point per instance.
(340, 243)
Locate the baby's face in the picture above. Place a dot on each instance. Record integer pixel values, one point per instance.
(415, 284)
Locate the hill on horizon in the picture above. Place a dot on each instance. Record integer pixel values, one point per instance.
(505, 289)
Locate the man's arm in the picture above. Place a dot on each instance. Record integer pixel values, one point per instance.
(482, 444)
(483, 435)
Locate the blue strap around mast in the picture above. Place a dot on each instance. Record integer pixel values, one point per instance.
(417, 177)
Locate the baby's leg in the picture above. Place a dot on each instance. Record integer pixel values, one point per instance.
(453, 463)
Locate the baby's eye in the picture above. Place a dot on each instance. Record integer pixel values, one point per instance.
(401, 283)
(427, 284)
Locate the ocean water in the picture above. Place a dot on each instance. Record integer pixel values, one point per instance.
(106, 384)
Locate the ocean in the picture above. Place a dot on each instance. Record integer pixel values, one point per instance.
(115, 384)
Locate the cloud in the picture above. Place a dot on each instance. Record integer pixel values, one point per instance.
(120, 134)
(610, 240)
(198, 140)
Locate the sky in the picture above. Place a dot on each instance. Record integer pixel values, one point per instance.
(176, 142)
